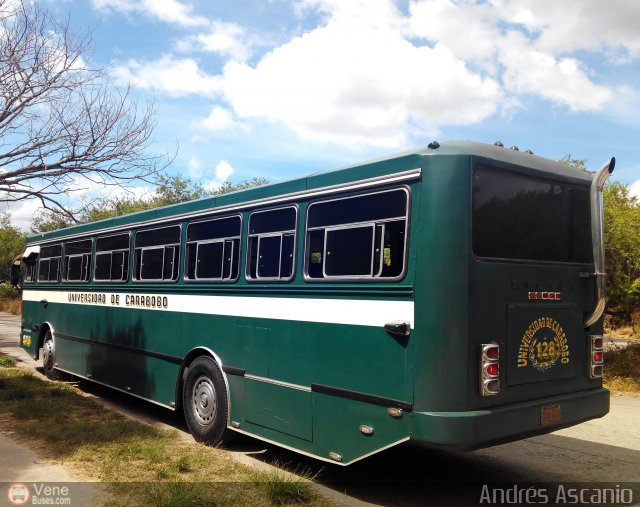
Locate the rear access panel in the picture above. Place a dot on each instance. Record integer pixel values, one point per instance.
(543, 343)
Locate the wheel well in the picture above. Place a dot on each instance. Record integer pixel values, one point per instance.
(186, 362)
(41, 334)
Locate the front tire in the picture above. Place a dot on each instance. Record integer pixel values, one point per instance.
(205, 404)
(49, 356)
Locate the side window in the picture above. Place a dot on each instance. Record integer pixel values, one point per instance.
(77, 261)
(29, 273)
(358, 237)
(213, 249)
(271, 246)
(49, 263)
(112, 258)
(30, 264)
(156, 254)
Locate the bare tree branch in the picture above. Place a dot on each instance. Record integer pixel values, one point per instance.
(61, 121)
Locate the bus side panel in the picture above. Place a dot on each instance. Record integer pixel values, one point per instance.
(360, 359)
(282, 409)
(31, 319)
(353, 429)
(441, 332)
(116, 346)
(69, 355)
(123, 351)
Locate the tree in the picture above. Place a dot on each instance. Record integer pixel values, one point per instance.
(622, 254)
(622, 249)
(62, 125)
(169, 190)
(228, 187)
(12, 242)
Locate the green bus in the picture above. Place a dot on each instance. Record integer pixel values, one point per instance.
(450, 296)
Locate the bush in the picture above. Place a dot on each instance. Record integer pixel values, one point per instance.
(7, 361)
(8, 291)
(623, 361)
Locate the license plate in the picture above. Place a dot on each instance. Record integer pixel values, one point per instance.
(550, 414)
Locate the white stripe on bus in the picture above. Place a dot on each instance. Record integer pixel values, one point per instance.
(359, 312)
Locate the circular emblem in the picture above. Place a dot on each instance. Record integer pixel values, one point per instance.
(18, 494)
(543, 344)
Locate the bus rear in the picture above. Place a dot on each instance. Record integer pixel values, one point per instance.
(529, 331)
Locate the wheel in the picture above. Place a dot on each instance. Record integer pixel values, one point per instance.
(204, 400)
(49, 356)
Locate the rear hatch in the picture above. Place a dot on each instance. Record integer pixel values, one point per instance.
(532, 246)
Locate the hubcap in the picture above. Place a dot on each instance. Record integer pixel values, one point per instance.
(204, 401)
(47, 354)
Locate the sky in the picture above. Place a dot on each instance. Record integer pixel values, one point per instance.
(279, 89)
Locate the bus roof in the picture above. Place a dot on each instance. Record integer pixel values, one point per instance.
(369, 169)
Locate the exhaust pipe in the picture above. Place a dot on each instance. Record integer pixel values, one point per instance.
(597, 239)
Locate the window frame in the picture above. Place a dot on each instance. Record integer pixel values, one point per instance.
(60, 267)
(33, 267)
(66, 264)
(238, 259)
(111, 252)
(480, 163)
(178, 245)
(359, 278)
(343, 227)
(282, 233)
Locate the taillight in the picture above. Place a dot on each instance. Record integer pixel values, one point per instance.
(490, 369)
(596, 356)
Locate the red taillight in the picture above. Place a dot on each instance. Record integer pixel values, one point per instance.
(493, 353)
(489, 369)
(597, 357)
(492, 369)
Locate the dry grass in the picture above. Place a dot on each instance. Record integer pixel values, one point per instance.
(621, 332)
(11, 305)
(622, 368)
(143, 465)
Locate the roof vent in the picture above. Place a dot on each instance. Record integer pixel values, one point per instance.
(529, 152)
(515, 148)
(499, 144)
(434, 145)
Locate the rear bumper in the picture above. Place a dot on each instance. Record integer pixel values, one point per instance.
(482, 428)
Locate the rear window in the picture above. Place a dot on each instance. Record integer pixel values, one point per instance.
(526, 218)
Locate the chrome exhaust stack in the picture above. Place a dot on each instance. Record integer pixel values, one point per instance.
(597, 239)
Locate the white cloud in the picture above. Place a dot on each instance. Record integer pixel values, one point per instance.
(589, 25)
(226, 39)
(467, 29)
(175, 77)
(223, 172)
(359, 82)
(369, 74)
(218, 119)
(564, 80)
(490, 35)
(22, 212)
(168, 11)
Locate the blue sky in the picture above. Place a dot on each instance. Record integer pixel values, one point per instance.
(279, 88)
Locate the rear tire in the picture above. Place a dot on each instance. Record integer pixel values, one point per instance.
(49, 356)
(205, 403)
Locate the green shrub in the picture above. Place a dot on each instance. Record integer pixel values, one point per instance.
(7, 361)
(8, 291)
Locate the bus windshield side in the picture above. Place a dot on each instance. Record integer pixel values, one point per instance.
(527, 218)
